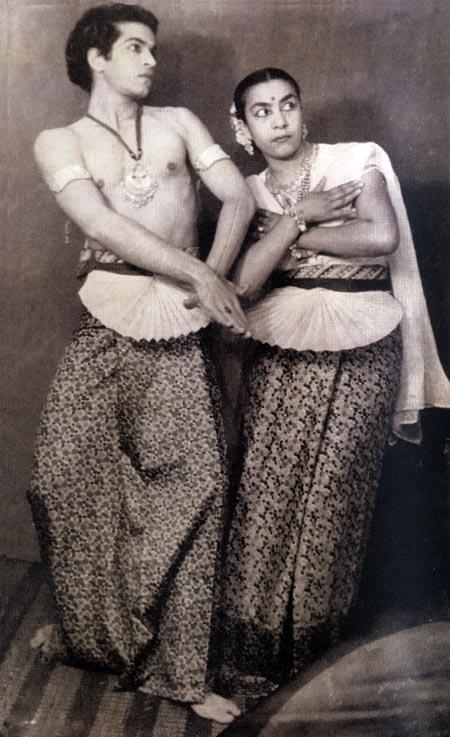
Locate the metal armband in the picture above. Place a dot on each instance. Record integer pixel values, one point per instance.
(68, 174)
(208, 157)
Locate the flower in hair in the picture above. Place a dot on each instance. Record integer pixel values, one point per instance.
(241, 132)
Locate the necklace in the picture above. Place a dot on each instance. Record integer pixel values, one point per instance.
(138, 185)
(289, 194)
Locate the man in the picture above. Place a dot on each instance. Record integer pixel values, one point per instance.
(129, 478)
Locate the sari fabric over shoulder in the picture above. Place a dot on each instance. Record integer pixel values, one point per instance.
(342, 321)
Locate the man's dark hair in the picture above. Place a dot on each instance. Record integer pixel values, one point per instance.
(261, 75)
(96, 29)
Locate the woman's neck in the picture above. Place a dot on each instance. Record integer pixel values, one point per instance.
(284, 170)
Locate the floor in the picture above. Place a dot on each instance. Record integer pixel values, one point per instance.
(393, 681)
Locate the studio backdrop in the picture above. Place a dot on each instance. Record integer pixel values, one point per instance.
(369, 71)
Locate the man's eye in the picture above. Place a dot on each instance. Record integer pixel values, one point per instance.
(135, 47)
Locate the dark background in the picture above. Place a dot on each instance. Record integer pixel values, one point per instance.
(369, 71)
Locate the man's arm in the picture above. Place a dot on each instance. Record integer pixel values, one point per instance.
(226, 183)
(82, 201)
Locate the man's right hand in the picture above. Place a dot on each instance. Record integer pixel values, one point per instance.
(218, 299)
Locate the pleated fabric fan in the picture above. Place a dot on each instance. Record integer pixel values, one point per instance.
(140, 307)
(323, 320)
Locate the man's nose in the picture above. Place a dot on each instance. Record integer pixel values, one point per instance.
(149, 59)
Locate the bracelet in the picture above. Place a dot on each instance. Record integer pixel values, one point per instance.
(299, 217)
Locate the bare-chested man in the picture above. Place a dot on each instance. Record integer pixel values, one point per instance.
(127, 491)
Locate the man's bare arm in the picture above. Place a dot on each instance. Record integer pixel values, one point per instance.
(226, 183)
(84, 204)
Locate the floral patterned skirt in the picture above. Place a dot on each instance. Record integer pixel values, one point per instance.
(315, 427)
(127, 497)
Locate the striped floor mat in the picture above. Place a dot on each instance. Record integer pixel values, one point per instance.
(40, 700)
(393, 683)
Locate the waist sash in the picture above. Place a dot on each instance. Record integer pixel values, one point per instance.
(281, 279)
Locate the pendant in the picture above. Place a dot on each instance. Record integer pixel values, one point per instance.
(139, 186)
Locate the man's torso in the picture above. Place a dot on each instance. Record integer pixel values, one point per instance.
(171, 213)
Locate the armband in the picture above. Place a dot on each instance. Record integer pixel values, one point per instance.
(68, 174)
(208, 157)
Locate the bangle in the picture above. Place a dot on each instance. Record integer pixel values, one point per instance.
(299, 217)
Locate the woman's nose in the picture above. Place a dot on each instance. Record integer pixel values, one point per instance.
(279, 120)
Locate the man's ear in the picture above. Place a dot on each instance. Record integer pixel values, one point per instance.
(95, 60)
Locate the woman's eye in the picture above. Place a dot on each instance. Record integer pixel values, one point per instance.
(135, 47)
(261, 113)
(289, 105)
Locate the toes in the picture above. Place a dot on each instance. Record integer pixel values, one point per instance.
(234, 709)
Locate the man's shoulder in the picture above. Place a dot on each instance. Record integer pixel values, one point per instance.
(178, 117)
(56, 140)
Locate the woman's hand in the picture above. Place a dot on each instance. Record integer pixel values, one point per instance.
(263, 222)
(321, 204)
(318, 206)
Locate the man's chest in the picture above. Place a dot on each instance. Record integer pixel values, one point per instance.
(110, 160)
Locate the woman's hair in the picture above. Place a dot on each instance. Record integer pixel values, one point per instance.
(96, 29)
(261, 75)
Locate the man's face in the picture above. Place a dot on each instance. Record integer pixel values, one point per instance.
(130, 64)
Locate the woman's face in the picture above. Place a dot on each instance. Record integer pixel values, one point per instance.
(274, 118)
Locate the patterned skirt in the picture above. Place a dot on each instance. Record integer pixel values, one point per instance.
(127, 497)
(315, 427)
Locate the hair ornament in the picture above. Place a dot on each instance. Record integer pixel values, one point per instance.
(241, 132)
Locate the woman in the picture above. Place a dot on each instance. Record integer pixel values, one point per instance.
(344, 295)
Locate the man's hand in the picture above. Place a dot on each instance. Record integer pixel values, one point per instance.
(218, 299)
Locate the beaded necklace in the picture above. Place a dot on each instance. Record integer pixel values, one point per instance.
(288, 194)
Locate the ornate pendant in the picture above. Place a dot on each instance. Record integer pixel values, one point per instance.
(139, 186)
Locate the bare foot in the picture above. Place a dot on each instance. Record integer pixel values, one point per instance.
(217, 708)
(47, 641)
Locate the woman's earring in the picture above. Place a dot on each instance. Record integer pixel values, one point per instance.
(241, 132)
(305, 132)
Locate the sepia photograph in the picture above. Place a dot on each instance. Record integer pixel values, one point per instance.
(225, 392)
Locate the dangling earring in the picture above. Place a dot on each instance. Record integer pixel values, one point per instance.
(241, 132)
(305, 132)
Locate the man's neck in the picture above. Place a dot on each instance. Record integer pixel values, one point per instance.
(112, 108)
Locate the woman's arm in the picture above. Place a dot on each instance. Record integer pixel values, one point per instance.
(373, 233)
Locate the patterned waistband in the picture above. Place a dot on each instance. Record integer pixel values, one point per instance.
(337, 285)
(117, 267)
(339, 277)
